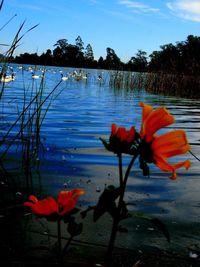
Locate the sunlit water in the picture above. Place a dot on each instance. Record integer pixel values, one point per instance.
(73, 156)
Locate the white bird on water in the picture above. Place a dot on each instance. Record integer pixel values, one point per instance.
(7, 78)
(34, 76)
(64, 78)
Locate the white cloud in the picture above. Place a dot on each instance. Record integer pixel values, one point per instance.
(187, 9)
(138, 6)
(118, 14)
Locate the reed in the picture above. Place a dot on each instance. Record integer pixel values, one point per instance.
(173, 84)
(27, 128)
(6, 58)
(127, 80)
(6, 135)
(179, 85)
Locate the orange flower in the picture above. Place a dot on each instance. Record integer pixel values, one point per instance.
(121, 140)
(121, 134)
(65, 203)
(157, 149)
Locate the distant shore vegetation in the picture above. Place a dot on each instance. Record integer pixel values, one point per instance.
(173, 70)
(182, 58)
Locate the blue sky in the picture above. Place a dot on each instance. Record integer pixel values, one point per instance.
(123, 25)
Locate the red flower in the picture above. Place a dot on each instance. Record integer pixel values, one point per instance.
(121, 134)
(121, 140)
(65, 203)
(157, 149)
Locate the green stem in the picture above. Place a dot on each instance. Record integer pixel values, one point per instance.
(108, 256)
(67, 245)
(120, 169)
(129, 169)
(117, 218)
(123, 187)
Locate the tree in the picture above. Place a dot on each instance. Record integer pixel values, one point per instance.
(27, 58)
(80, 55)
(154, 61)
(72, 55)
(139, 62)
(46, 58)
(112, 60)
(190, 56)
(167, 60)
(182, 58)
(60, 52)
(101, 63)
(79, 43)
(89, 55)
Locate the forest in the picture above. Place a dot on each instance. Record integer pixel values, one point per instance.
(180, 58)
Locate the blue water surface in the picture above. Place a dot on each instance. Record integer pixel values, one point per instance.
(76, 115)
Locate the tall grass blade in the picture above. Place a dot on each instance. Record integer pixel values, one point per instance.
(8, 22)
(25, 124)
(1, 4)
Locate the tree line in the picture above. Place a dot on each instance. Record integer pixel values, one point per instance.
(181, 58)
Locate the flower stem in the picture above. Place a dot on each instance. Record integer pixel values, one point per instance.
(67, 245)
(108, 256)
(120, 169)
(129, 169)
(117, 217)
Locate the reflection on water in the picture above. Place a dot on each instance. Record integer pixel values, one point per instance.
(72, 155)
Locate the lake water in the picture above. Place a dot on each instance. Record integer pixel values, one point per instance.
(73, 156)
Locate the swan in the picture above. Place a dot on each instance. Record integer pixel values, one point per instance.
(81, 76)
(84, 76)
(35, 76)
(99, 78)
(7, 78)
(64, 78)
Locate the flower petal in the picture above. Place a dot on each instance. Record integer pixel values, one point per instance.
(131, 135)
(77, 192)
(113, 129)
(163, 164)
(64, 201)
(170, 144)
(43, 207)
(145, 111)
(155, 120)
(67, 200)
(121, 140)
(158, 149)
(167, 167)
(33, 199)
(186, 164)
(121, 134)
